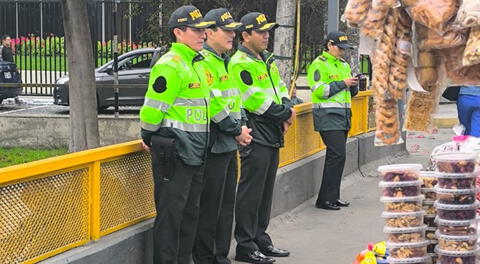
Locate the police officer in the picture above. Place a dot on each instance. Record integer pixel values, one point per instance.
(269, 112)
(175, 124)
(332, 85)
(217, 203)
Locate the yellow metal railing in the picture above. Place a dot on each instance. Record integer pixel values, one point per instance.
(52, 205)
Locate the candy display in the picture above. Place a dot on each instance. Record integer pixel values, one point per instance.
(404, 235)
(456, 212)
(402, 205)
(400, 172)
(429, 193)
(455, 257)
(421, 260)
(402, 220)
(400, 189)
(429, 208)
(456, 243)
(456, 196)
(430, 233)
(428, 178)
(456, 180)
(408, 250)
(455, 162)
(456, 227)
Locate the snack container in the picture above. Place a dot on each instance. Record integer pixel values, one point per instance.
(408, 250)
(405, 235)
(400, 189)
(403, 204)
(422, 260)
(429, 193)
(402, 220)
(457, 243)
(430, 233)
(455, 162)
(429, 220)
(455, 257)
(428, 178)
(456, 227)
(429, 208)
(457, 211)
(400, 172)
(456, 196)
(456, 180)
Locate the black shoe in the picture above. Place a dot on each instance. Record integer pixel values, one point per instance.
(342, 203)
(254, 257)
(327, 205)
(272, 251)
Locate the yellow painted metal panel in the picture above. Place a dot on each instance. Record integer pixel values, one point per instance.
(44, 215)
(126, 191)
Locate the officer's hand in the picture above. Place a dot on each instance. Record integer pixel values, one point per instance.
(145, 146)
(292, 117)
(285, 126)
(244, 138)
(351, 82)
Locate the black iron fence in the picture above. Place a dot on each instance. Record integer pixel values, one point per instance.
(36, 29)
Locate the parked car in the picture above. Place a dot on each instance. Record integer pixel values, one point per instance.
(9, 74)
(133, 68)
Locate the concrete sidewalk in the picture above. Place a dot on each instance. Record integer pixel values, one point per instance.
(335, 237)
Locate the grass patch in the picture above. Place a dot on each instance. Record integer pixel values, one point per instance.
(13, 156)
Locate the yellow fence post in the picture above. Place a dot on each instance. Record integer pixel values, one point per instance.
(95, 200)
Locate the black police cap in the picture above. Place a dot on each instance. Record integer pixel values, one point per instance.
(188, 16)
(340, 39)
(256, 21)
(223, 19)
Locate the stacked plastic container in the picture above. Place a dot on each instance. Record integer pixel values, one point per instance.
(456, 208)
(404, 214)
(429, 180)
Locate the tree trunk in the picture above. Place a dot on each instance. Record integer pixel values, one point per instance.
(285, 38)
(82, 90)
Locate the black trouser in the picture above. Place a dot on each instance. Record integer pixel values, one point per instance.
(177, 196)
(334, 162)
(254, 197)
(217, 204)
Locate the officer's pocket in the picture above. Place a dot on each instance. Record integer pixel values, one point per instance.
(164, 156)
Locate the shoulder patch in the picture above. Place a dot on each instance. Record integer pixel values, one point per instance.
(160, 84)
(246, 77)
(209, 77)
(316, 76)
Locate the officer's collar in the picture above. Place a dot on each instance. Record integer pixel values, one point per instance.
(222, 56)
(329, 56)
(265, 55)
(186, 52)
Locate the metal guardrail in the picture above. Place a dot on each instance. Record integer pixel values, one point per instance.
(53, 205)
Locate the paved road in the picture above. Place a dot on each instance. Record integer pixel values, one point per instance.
(42, 105)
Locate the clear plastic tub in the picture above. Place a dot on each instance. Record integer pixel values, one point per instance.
(403, 205)
(412, 219)
(457, 228)
(456, 180)
(430, 233)
(455, 162)
(457, 243)
(400, 189)
(456, 196)
(400, 172)
(408, 250)
(429, 208)
(429, 193)
(429, 220)
(428, 178)
(456, 212)
(405, 235)
(455, 257)
(421, 260)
